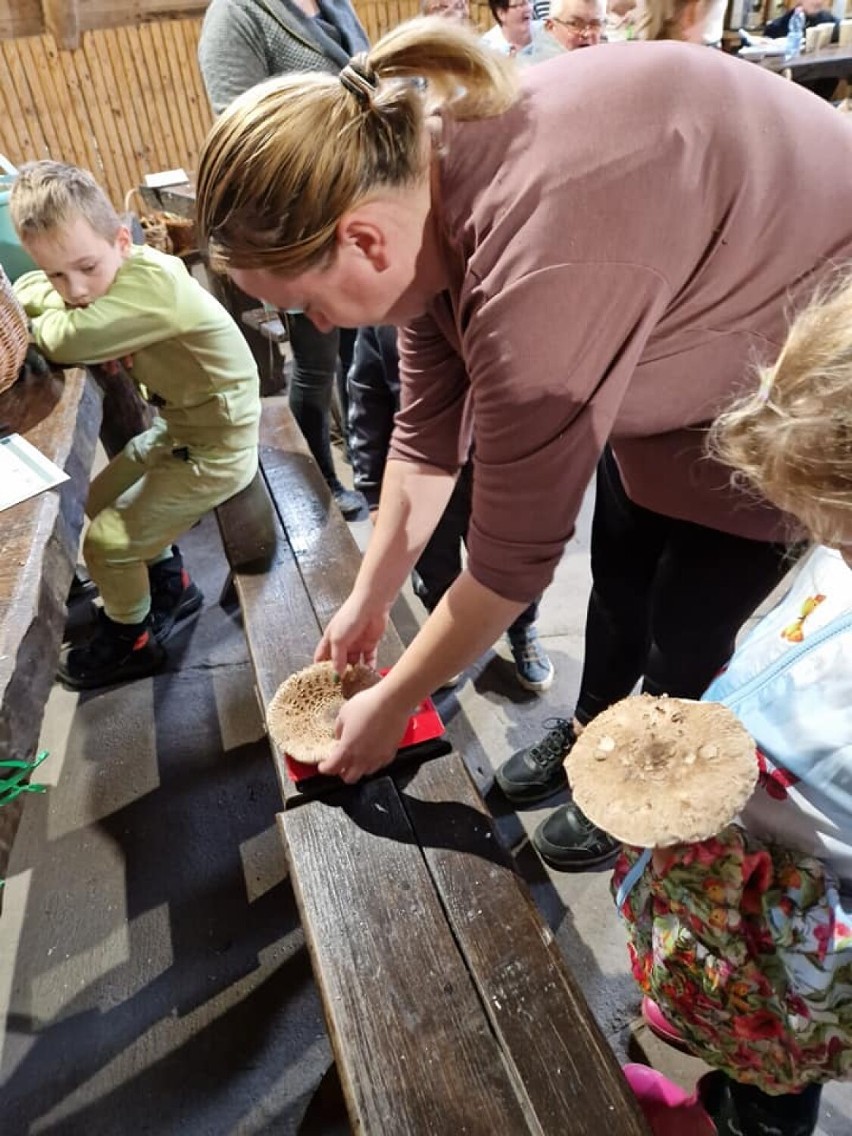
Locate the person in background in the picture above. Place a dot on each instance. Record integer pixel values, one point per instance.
(374, 400)
(242, 43)
(512, 31)
(570, 25)
(816, 13)
(95, 298)
(684, 20)
(620, 20)
(742, 943)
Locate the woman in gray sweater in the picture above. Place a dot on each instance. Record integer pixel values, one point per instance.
(242, 43)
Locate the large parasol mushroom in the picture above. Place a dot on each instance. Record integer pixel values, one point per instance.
(302, 713)
(655, 772)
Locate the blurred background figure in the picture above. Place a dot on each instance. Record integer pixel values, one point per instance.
(513, 21)
(570, 24)
(242, 43)
(620, 20)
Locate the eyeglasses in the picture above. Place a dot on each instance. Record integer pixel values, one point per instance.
(580, 27)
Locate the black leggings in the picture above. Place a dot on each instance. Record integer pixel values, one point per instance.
(668, 598)
(440, 562)
(312, 386)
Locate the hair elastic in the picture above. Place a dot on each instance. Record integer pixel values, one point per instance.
(767, 378)
(356, 79)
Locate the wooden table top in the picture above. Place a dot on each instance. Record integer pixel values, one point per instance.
(832, 62)
(60, 415)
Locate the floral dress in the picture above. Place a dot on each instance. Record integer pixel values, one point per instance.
(744, 948)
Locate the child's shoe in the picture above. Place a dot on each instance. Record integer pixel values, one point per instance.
(668, 1110)
(173, 595)
(117, 652)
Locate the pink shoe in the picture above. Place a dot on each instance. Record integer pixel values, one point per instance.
(668, 1110)
(659, 1025)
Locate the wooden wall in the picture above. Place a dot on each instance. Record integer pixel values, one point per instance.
(129, 99)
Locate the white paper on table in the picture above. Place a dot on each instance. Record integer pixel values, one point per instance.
(24, 471)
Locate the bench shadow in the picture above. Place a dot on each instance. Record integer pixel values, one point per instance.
(210, 997)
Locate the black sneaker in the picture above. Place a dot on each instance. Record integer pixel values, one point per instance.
(568, 840)
(117, 652)
(83, 587)
(536, 772)
(173, 595)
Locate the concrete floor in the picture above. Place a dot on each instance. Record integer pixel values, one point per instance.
(153, 974)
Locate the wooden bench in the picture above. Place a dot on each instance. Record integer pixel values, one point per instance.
(448, 1003)
(60, 414)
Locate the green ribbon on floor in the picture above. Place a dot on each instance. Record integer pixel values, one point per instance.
(15, 784)
(11, 787)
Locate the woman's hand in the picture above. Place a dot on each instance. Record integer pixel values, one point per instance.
(369, 729)
(353, 635)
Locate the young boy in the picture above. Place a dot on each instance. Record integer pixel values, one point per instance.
(96, 298)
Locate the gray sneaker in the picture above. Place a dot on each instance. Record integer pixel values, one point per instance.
(536, 772)
(533, 669)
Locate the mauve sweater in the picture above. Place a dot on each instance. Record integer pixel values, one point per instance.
(627, 241)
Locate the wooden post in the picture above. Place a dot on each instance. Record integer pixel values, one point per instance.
(62, 20)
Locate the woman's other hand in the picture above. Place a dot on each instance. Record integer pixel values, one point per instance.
(353, 635)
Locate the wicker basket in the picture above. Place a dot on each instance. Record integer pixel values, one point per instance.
(13, 334)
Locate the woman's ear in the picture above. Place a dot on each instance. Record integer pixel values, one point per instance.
(361, 234)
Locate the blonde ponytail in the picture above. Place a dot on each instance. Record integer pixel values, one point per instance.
(291, 156)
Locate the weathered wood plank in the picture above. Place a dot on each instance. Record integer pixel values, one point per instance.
(60, 415)
(412, 1042)
(568, 1072)
(325, 548)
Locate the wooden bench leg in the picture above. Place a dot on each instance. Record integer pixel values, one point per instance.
(326, 1111)
(228, 598)
(248, 527)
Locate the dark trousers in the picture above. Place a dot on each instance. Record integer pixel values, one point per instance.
(441, 560)
(744, 1110)
(668, 598)
(312, 385)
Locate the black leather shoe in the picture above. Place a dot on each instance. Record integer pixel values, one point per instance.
(536, 772)
(568, 840)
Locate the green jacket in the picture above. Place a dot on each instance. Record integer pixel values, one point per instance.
(187, 351)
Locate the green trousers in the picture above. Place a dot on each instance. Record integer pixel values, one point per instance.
(147, 496)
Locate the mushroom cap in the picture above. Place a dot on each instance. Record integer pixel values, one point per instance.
(660, 771)
(302, 713)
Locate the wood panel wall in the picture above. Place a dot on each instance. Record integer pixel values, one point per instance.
(130, 99)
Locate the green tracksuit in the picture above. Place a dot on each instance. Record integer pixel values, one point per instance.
(196, 366)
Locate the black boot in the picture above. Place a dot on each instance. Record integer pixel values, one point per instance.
(567, 840)
(117, 652)
(744, 1110)
(537, 771)
(173, 594)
